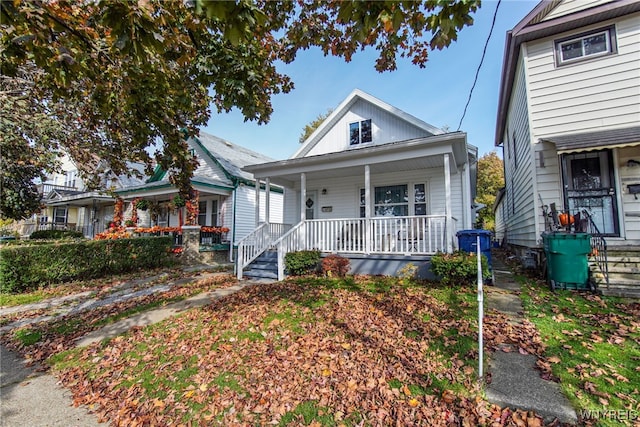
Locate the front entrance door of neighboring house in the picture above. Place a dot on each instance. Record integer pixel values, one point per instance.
(589, 185)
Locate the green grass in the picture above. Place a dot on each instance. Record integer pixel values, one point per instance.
(28, 336)
(11, 300)
(594, 346)
(307, 412)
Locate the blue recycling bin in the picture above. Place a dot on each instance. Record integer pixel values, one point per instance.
(468, 242)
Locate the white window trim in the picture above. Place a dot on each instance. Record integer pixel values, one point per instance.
(610, 33)
(360, 142)
(411, 187)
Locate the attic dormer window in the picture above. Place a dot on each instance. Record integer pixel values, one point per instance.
(586, 45)
(360, 132)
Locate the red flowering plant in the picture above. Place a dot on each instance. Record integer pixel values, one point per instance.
(118, 210)
(215, 230)
(192, 206)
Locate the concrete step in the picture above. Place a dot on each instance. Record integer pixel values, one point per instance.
(261, 274)
(263, 266)
(614, 290)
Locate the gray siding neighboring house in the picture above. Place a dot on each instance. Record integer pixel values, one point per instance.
(569, 120)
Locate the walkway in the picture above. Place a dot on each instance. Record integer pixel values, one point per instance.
(515, 382)
(30, 397)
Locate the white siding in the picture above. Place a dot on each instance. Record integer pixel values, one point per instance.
(209, 169)
(519, 202)
(629, 174)
(601, 93)
(386, 128)
(245, 212)
(548, 179)
(567, 7)
(245, 205)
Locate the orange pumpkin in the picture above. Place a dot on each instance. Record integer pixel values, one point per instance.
(566, 219)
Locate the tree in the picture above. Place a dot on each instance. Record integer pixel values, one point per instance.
(311, 127)
(490, 180)
(121, 76)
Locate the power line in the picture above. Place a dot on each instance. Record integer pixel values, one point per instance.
(484, 51)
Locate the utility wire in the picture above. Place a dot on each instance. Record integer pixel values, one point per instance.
(484, 51)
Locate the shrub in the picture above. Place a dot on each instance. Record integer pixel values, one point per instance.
(458, 268)
(24, 268)
(301, 262)
(56, 234)
(335, 265)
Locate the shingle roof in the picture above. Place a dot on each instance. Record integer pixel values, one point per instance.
(230, 156)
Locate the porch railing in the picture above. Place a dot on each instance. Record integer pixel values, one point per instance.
(598, 245)
(418, 235)
(254, 244)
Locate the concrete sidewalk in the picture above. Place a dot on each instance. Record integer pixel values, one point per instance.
(516, 383)
(35, 399)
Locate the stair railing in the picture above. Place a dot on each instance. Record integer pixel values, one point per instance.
(598, 246)
(292, 240)
(255, 243)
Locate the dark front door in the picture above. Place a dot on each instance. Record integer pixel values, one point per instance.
(589, 185)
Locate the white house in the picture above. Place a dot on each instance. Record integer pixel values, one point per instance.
(70, 205)
(569, 124)
(226, 192)
(372, 183)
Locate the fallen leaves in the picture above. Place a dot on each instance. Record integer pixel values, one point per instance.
(359, 358)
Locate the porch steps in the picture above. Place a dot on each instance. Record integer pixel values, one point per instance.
(263, 267)
(624, 272)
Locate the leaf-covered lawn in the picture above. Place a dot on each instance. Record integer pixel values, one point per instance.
(365, 351)
(592, 346)
(38, 341)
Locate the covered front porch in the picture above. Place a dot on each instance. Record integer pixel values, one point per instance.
(400, 199)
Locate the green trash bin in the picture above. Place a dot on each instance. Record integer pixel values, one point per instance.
(567, 259)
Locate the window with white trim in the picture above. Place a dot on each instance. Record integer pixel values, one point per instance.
(394, 200)
(360, 132)
(202, 213)
(60, 215)
(584, 46)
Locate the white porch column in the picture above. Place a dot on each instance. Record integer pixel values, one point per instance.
(257, 203)
(367, 207)
(267, 203)
(303, 195)
(447, 204)
(467, 213)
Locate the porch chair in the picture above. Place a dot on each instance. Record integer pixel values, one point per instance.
(351, 237)
(412, 234)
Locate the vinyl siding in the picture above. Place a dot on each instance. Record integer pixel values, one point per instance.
(630, 205)
(344, 197)
(385, 128)
(595, 94)
(548, 179)
(245, 215)
(572, 6)
(209, 168)
(519, 219)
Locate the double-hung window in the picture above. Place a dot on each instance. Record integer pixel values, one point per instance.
(360, 132)
(586, 45)
(202, 213)
(60, 215)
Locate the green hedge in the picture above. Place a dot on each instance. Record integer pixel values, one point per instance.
(458, 268)
(24, 268)
(302, 262)
(56, 234)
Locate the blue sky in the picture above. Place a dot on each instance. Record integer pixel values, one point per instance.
(436, 94)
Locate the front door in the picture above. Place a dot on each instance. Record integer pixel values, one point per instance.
(589, 185)
(310, 205)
